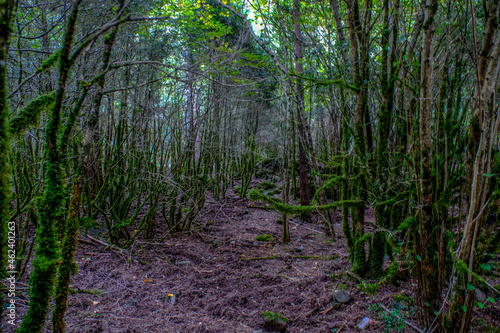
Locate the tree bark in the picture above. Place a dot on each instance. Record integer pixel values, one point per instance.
(7, 10)
(301, 127)
(427, 249)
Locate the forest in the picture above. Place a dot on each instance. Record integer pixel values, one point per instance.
(250, 166)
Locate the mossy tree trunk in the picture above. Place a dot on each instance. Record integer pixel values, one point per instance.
(385, 116)
(47, 256)
(303, 143)
(7, 11)
(483, 132)
(359, 33)
(426, 251)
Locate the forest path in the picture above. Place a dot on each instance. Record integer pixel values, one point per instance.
(216, 284)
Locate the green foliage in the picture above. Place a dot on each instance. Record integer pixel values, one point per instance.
(264, 238)
(393, 319)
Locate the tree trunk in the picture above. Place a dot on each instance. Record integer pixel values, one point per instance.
(301, 127)
(427, 249)
(7, 10)
(47, 258)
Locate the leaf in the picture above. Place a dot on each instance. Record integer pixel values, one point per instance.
(426, 304)
(419, 258)
(464, 308)
(488, 174)
(400, 243)
(481, 305)
(491, 300)
(436, 313)
(485, 266)
(470, 286)
(147, 280)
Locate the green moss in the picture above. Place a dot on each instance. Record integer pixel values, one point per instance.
(403, 298)
(261, 258)
(329, 184)
(264, 238)
(392, 271)
(377, 254)
(408, 223)
(30, 114)
(265, 186)
(87, 223)
(269, 315)
(255, 195)
(342, 286)
(51, 207)
(51, 60)
(95, 292)
(369, 288)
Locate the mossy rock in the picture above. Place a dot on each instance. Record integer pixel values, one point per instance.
(274, 321)
(264, 238)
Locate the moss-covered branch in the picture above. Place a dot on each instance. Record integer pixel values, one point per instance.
(30, 114)
(255, 195)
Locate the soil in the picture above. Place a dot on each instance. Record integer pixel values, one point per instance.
(218, 278)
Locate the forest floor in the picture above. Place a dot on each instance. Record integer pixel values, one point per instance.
(218, 278)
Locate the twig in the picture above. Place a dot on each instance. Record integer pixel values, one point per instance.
(86, 241)
(96, 240)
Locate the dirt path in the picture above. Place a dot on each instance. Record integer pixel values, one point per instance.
(217, 286)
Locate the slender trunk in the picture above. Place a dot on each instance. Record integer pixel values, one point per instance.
(301, 127)
(427, 250)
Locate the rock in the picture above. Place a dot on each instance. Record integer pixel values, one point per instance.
(232, 242)
(184, 263)
(173, 300)
(256, 243)
(274, 321)
(341, 296)
(257, 331)
(363, 323)
(480, 296)
(298, 249)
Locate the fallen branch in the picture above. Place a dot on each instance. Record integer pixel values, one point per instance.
(86, 241)
(97, 240)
